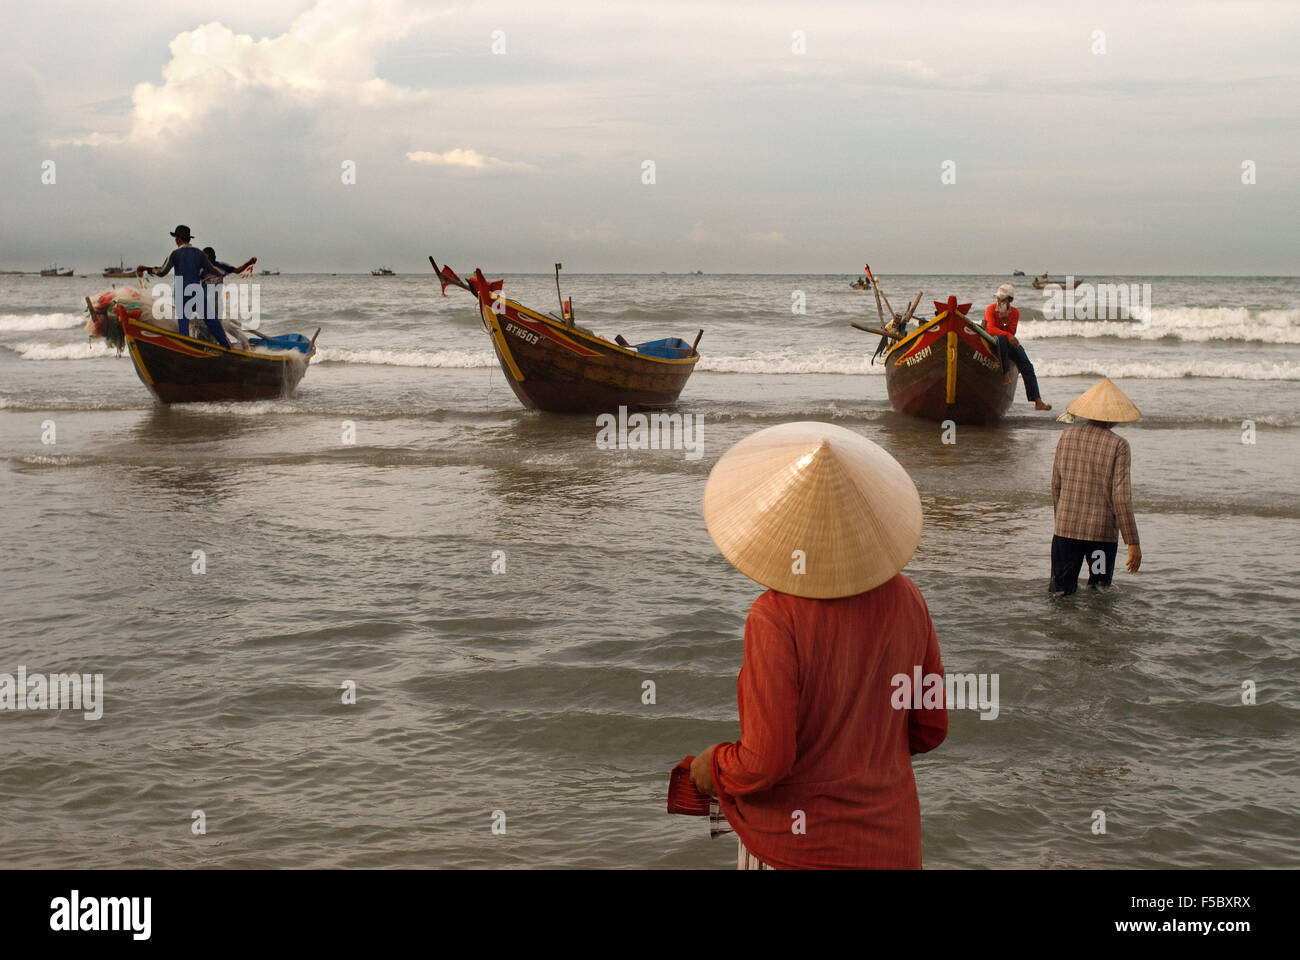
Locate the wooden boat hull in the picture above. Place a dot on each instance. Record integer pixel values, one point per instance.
(554, 366)
(118, 274)
(179, 369)
(944, 370)
(1053, 284)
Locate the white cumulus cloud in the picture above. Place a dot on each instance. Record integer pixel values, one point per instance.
(466, 160)
(327, 55)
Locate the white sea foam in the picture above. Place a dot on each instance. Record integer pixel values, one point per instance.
(464, 359)
(1196, 324)
(82, 350)
(815, 361)
(848, 364)
(1169, 369)
(13, 322)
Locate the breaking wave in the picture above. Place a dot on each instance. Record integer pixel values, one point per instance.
(463, 359)
(1193, 324)
(814, 361)
(18, 323)
(1172, 369)
(1169, 370)
(82, 350)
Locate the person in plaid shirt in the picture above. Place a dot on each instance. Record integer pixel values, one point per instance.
(1092, 492)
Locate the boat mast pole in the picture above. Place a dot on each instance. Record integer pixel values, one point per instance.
(563, 315)
(875, 288)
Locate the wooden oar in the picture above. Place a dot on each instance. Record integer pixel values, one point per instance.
(988, 338)
(878, 331)
(875, 288)
(912, 309)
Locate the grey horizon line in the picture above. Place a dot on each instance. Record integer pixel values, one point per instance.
(365, 272)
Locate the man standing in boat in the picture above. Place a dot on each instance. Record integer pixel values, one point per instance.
(1092, 493)
(191, 265)
(1000, 321)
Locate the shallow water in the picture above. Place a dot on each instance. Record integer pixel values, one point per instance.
(521, 692)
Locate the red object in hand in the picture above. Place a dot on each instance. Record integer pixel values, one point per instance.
(683, 795)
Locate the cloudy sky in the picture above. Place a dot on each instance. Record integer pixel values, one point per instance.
(513, 135)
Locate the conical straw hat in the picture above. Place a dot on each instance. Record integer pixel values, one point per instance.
(817, 488)
(1105, 402)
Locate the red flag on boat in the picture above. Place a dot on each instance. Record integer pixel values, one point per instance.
(445, 276)
(492, 285)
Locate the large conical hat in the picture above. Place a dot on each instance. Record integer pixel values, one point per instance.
(840, 499)
(1105, 402)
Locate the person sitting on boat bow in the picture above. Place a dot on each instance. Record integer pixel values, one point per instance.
(191, 265)
(1000, 321)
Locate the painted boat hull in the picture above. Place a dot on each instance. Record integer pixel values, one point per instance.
(559, 368)
(180, 369)
(945, 371)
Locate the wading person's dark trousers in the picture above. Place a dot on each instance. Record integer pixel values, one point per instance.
(1008, 352)
(1067, 556)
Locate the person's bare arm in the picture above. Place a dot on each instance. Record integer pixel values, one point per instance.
(1122, 499)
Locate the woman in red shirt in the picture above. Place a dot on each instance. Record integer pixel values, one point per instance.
(821, 776)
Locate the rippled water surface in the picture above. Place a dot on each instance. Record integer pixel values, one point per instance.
(521, 691)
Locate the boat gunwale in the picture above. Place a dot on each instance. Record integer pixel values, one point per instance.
(284, 357)
(962, 318)
(561, 327)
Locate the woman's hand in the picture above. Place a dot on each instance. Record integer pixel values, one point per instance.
(702, 772)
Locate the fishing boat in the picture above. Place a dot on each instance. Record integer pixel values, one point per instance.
(54, 271)
(946, 369)
(383, 272)
(1044, 283)
(186, 369)
(860, 285)
(553, 364)
(180, 369)
(119, 272)
(270, 273)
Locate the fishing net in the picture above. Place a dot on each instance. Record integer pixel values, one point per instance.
(105, 319)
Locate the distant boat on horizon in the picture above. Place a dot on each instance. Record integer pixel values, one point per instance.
(112, 272)
(54, 271)
(270, 273)
(383, 272)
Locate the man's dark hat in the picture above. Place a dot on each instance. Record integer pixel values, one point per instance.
(183, 232)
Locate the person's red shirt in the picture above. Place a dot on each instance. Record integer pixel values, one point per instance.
(999, 326)
(819, 734)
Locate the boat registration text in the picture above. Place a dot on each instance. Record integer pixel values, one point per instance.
(522, 334)
(919, 355)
